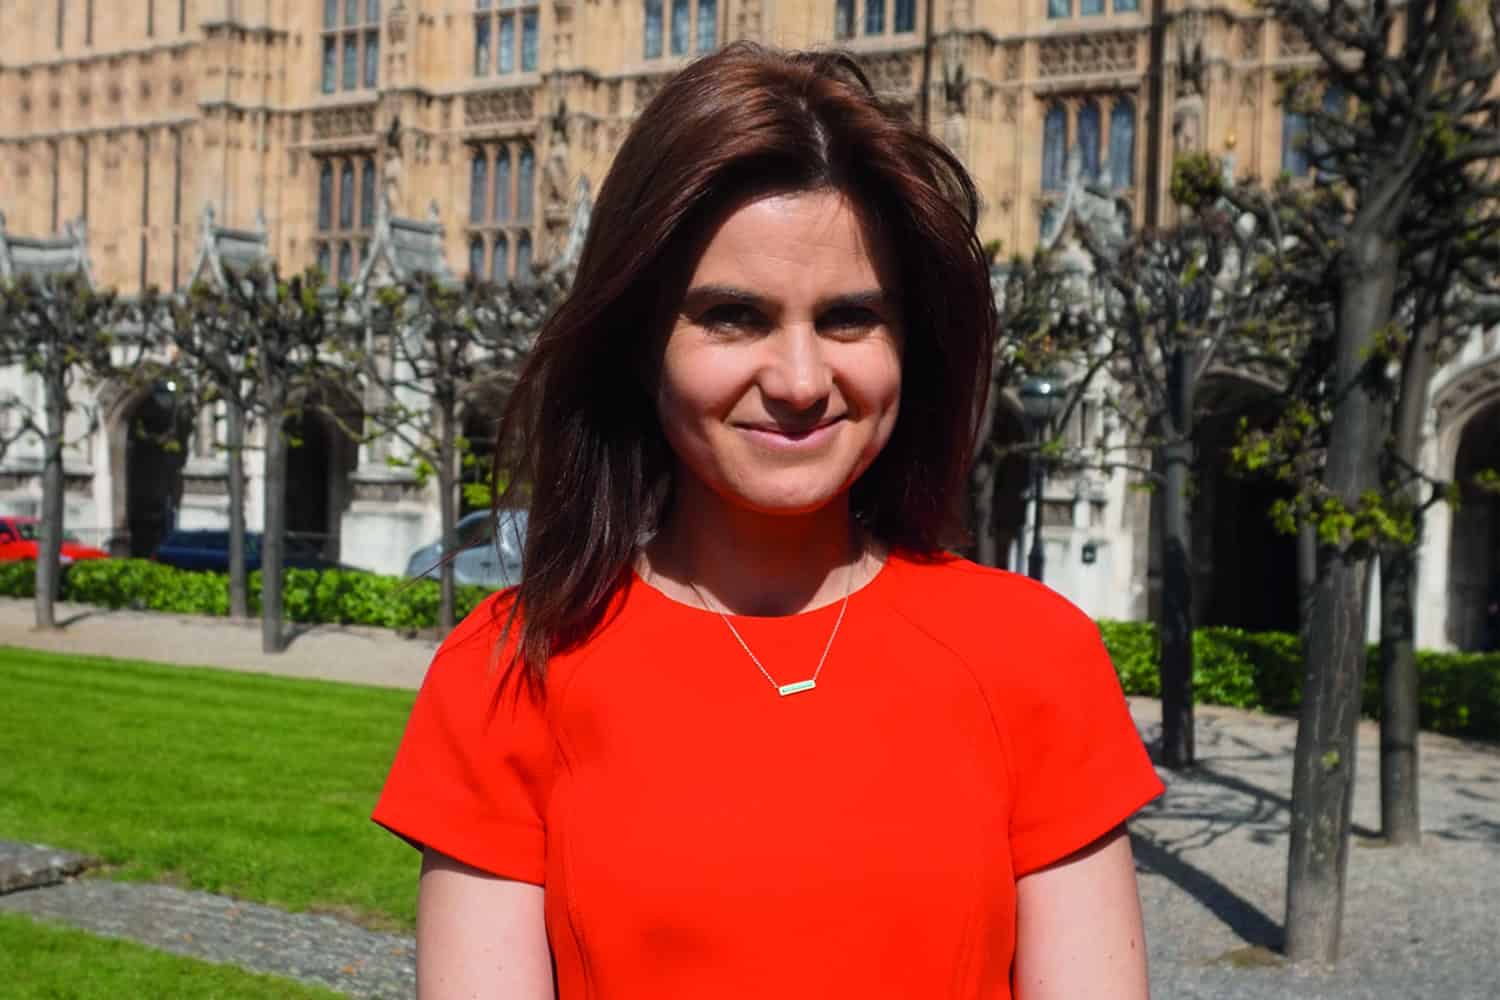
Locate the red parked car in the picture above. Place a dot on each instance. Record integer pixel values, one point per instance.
(19, 537)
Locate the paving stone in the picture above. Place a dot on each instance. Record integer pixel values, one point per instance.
(29, 866)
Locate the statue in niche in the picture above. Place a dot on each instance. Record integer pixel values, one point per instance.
(390, 171)
(555, 173)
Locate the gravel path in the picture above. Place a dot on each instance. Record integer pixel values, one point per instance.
(1211, 854)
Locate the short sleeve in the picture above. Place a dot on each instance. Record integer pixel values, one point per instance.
(1079, 766)
(472, 774)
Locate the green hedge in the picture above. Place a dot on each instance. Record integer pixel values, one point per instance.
(1459, 692)
(328, 596)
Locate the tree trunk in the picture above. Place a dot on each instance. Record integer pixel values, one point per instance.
(49, 547)
(234, 440)
(1178, 745)
(1400, 791)
(1323, 769)
(1307, 576)
(982, 508)
(447, 515)
(1400, 801)
(273, 536)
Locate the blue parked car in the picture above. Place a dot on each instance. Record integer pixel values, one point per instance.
(209, 551)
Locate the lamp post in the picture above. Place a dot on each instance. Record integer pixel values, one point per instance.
(1041, 400)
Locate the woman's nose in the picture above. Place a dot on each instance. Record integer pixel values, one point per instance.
(796, 374)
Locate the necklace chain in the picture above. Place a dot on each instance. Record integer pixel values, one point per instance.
(793, 688)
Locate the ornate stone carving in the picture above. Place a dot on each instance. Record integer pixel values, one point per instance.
(340, 123)
(388, 491)
(1098, 52)
(1250, 39)
(645, 89)
(1292, 42)
(614, 97)
(1010, 107)
(1013, 53)
(497, 106)
(891, 72)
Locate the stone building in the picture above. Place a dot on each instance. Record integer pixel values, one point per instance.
(476, 120)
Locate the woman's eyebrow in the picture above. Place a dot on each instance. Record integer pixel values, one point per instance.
(870, 298)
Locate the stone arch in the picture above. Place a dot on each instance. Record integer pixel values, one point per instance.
(147, 433)
(1472, 589)
(320, 467)
(1244, 569)
(998, 495)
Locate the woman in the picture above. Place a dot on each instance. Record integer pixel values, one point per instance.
(743, 730)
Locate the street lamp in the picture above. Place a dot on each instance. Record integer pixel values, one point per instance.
(1041, 401)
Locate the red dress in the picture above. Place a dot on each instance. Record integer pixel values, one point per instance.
(700, 835)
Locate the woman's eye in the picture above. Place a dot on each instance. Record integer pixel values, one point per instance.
(732, 317)
(851, 319)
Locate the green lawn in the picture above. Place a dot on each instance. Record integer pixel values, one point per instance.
(251, 786)
(40, 961)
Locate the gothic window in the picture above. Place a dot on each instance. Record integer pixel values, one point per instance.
(708, 25)
(1122, 143)
(843, 19)
(367, 194)
(501, 204)
(346, 196)
(500, 261)
(1088, 139)
(874, 17)
(325, 196)
(351, 45)
(1294, 158)
(653, 29)
(478, 185)
(906, 17)
(344, 185)
(524, 185)
(681, 17)
(1127, 6)
(505, 61)
(1054, 148)
(1088, 8)
(507, 221)
(514, 26)
(529, 41)
(523, 257)
(1059, 8)
(694, 25)
(482, 25)
(476, 256)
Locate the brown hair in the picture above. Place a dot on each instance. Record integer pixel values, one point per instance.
(580, 433)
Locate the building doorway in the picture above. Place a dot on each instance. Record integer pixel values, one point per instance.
(1244, 569)
(1474, 545)
(321, 459)
(156, 435)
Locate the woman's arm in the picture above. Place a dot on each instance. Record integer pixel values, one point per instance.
(479, 935)
(1078, 927)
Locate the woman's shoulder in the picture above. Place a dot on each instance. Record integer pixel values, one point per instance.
(965, 597)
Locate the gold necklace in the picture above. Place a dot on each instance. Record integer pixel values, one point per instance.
(795, 686)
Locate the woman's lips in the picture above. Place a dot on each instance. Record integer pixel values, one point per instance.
(784, 438)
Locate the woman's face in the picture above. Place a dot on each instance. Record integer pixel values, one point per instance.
(781, 374)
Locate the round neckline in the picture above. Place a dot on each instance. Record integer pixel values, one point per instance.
(859, 593)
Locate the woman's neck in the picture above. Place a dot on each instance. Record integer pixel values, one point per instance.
(747, 563)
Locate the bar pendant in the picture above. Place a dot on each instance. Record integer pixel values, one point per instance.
(793, 688)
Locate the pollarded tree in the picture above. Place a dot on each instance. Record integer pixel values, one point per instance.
(65, 333)
(1175, 304)
(1400, 223)
(431, 348)
(265, 346)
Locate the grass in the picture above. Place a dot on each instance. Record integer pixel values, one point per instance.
(40, 961)
(251, 786)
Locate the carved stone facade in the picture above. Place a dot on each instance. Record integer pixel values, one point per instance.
(133, 124)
